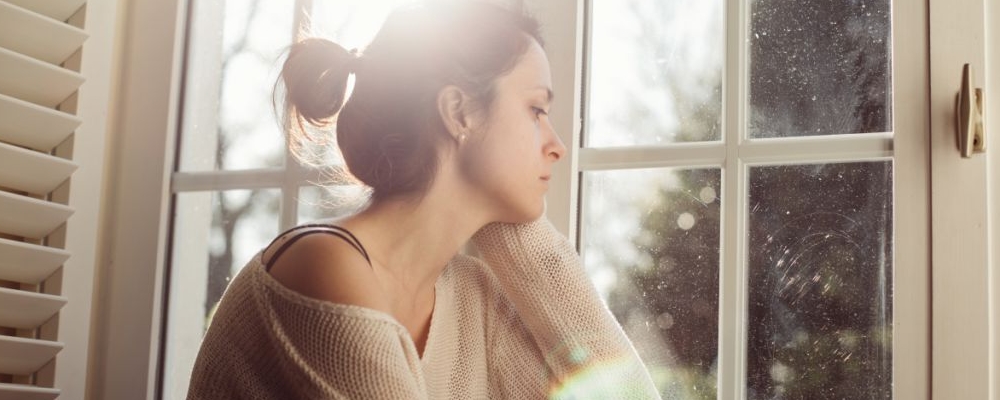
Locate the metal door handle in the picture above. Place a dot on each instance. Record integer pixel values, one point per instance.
(969, 119)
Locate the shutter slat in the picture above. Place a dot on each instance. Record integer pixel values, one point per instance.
(27, 310)
(28, 263)
(21, 356)
(10, 391)
(33, 126)
(40, 44)
(31, 218)
(59, 10)
(35, 81)
(31, 171)
(36, 35)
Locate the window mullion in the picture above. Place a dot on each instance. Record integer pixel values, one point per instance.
(706, 154)
(242, 179)
(289, 197)
(294, 170)
(563, 21)
(732, 275)
(818, 149)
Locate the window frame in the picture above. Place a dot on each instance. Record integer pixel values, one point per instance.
(965, 282)
(128, 301)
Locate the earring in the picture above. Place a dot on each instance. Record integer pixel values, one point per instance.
(461, 138)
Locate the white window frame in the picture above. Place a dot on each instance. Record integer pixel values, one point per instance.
(966, 302)
(128, 302)
(993, 197)
(128, 306)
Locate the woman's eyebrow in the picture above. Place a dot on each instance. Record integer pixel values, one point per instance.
(548, 92)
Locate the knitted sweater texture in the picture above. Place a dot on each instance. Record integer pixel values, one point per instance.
(523, 322)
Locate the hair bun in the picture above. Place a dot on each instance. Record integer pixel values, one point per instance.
(315, 77)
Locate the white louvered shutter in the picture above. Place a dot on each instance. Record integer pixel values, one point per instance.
(39, 79)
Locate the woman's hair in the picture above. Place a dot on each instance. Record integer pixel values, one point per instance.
(390, 131)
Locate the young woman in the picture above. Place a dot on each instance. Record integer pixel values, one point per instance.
(447, 124)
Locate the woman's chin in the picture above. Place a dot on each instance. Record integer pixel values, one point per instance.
(523, 215)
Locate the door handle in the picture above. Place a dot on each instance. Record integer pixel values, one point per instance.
(969, 119)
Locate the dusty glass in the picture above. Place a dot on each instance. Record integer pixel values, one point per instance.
(820, 281)
(650, 241)
(819, 68)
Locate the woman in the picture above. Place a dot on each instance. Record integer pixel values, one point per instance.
(447, 124)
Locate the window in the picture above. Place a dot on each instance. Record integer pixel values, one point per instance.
(737, 193)
(732, 188)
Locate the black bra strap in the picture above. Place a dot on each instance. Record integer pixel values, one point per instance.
(309, 229)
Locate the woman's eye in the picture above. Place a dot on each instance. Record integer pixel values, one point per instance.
(538, 111)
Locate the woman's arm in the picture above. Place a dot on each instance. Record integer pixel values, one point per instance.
(581, 341)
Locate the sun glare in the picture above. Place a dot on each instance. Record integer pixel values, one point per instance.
(351, 23)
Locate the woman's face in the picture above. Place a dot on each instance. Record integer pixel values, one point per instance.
(510, 160)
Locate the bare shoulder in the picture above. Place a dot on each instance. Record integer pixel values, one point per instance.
(325, 267)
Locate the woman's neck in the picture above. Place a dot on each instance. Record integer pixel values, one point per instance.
(411, 241)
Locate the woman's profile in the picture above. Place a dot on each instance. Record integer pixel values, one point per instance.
(447, 125)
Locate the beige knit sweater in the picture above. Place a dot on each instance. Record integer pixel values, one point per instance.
(523, 323)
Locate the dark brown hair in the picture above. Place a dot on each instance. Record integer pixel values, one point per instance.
(389, 130)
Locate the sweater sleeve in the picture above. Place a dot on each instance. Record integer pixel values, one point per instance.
(583, 346)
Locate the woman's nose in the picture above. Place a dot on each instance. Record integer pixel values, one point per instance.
(555, 147)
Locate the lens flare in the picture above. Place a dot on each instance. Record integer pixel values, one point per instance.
(599, 380)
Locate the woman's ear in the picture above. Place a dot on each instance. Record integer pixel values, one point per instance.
(454, 107)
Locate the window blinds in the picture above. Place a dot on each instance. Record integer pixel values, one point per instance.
(36, 120)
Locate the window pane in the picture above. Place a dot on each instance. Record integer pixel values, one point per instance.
(214, 235)
(819, 67)
(651, 244)
(233, 62)
(329, 202)
(655, 71)
(820, 279)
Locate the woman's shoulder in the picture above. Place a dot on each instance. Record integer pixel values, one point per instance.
(470, 276)
(326, 267)
(256, 292)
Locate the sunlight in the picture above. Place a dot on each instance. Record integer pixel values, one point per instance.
(350, 23)
(602, 380)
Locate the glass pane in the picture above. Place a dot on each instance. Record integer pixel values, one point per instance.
(819, 67)
(233, 62)
(655, 71)
(214, 235)
(651, 243)
(820, 279)
(329, 202)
